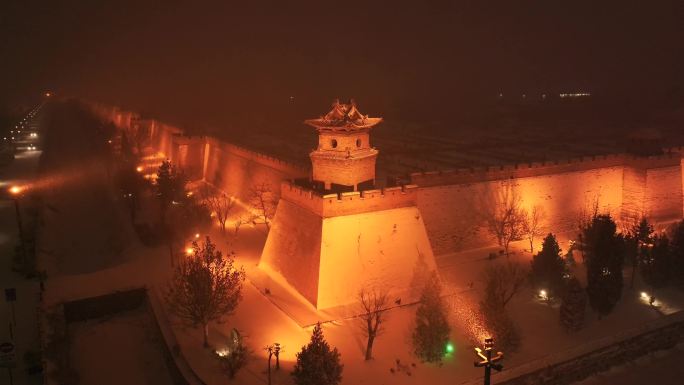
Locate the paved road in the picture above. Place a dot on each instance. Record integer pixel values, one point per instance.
(25, 331)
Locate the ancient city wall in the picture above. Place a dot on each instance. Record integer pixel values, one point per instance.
(454, 203)
(229, 167)
(236, 170)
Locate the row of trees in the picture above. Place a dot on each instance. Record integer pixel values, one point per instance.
(659, 258)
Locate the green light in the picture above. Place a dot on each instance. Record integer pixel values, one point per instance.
(449, 347)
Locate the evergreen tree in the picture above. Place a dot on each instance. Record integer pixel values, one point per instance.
(604, 256)
(131, 185)
(638, 245)
(655, 265)
(170, 186)
(317, 364)
(643, 231)
(548, 267)
(677, 253)
(573, 306)
(632, 255)
(432, 326)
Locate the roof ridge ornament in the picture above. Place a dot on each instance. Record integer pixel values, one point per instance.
(344, 116)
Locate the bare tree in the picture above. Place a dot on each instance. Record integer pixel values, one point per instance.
(239, 222)
(587, 213)
(504, 217)
(503, 281)
(221, 205)
(205, 286)
(373, 304)
(264, 201)
(532, 224)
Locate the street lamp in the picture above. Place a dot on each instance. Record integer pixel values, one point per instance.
(16, 194)
(487, 360)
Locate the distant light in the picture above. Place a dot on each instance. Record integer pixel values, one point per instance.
(574, 95)
(644, 295)
(47, 94)
(449, 348)
(15, 190)
(189, 251)
(109, 141)
(197, 235)
(139, 169)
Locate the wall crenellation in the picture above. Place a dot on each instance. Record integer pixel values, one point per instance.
(523, 170)
(353, 202)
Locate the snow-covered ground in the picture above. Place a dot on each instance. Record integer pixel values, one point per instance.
(264, 319)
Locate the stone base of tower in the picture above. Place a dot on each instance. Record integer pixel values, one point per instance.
(329, 259)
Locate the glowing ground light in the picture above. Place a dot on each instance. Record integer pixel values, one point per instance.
(189, 251)
(15, 190)
(449, 348)
(543, 294)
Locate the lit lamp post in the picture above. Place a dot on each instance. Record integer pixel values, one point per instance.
(16, 194)
(487, 360)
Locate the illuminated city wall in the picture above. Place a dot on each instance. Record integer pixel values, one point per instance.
(453, 203)
(236, 170)
(456, 204)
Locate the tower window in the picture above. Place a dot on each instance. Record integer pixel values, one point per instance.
(358, 142)
(333, 143)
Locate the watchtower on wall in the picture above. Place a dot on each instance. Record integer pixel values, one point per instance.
(344, 159)
(332, 238)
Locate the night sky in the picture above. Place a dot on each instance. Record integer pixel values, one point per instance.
(229, 63)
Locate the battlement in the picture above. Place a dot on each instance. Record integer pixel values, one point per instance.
(348, 203)
(533, 169)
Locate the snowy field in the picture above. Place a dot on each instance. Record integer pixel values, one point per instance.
(118, 350)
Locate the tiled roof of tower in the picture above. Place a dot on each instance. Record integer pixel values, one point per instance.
(345, 117)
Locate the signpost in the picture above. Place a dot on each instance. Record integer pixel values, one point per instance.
(487, 360)
(7, 358)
